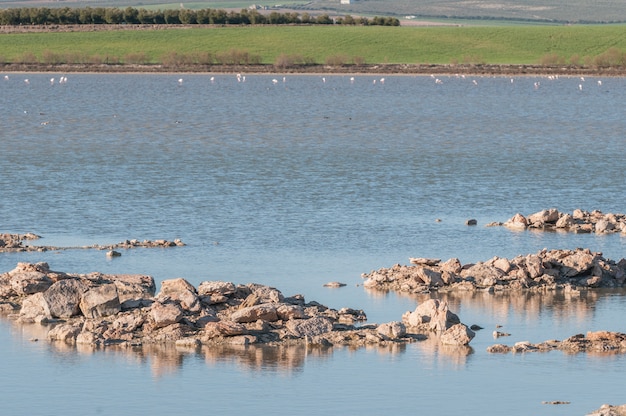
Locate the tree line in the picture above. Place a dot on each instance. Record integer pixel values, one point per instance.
(131, 15)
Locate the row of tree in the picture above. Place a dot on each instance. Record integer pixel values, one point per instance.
(130, 15)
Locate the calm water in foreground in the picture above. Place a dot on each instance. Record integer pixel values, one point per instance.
(296, 183)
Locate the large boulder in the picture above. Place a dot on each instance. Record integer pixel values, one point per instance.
(100, 301)
(546, 216)
(63, 298)
(181, 291)
(483, 274)
(264, 312)
(309, 327)
(517, 222)
(29, 278)
(133, 286)
(164, 314)
(458, 334)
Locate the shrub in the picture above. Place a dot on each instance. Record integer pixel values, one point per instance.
(136, 58)
(552, 59)
(613, 57)
(336, 60)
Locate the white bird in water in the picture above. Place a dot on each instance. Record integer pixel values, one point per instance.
(382, 80)
(180, 81)
(474, 82)
(274, 81)
(284, 79)
(238, 77)
(599, 82)
(212, 79)
(582, 79)
(580, 87)
(351, 80)
(324, 80)
(63, 80)
(26, 81)
(51, 81)
(6, 77)
(438, 81)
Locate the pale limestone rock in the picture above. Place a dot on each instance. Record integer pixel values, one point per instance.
(483, 274)
(502, 264)
(458, 334)
(392, 330)
(100, 301)
(223, 329)
(452, 265)
(517, 222)
(266, 294)
(546, 216)
(133, 286)
(265, 311)
(608, 410)
(64, 332)
(429, 277)
(216, 287)
(286, 312)
(534, 266)
(29, 282)
(577, 262)
(422, 261)
(499, 349)
(309, 327)
(64, 296)
(181, 291)
(604, 226)
(565, 221)
(35, 306)
(165, 314)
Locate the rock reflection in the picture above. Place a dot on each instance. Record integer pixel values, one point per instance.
(563, 306)
(454, 356)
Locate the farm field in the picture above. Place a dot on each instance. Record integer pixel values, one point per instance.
(318, 44)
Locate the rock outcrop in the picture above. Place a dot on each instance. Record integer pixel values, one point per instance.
(100, 310)
(578, 221)
(609, 410)
(593, 342)
(16, 242)
(547, 270)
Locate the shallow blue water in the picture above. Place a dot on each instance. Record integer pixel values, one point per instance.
(297, 183)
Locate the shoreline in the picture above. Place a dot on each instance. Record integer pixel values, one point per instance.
(365, 69)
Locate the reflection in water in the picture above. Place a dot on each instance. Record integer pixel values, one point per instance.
(563, 306)
(168, 359)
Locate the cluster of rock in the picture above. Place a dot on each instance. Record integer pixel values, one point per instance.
(578, 221)
(15, 242)
(548, 269)
(101, 309)
(609, 410)
(593, 342)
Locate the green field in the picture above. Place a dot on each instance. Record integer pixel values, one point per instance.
(372, 44)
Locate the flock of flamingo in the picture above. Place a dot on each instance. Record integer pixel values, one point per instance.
(242, 78)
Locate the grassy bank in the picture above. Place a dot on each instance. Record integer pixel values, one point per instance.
(315, 44)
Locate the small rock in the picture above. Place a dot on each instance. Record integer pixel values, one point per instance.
(334, 284)
(113, 253)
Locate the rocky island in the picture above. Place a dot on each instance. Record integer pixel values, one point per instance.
(102, 310)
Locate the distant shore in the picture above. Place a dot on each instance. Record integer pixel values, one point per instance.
(364, 69)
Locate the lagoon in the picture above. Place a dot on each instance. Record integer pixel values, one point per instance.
(301, 182)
